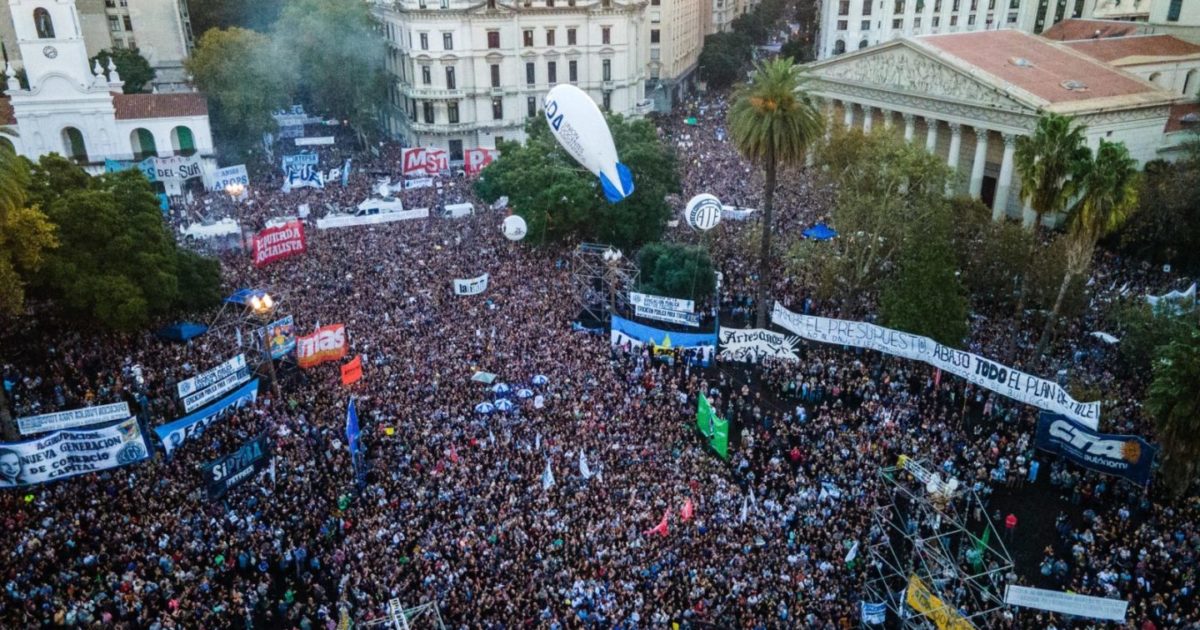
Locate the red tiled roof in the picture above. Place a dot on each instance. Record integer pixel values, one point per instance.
(1068, 30)
(137, 106)
(6, 112)
(1052, 64)
(1110, 50)
(1178, 111)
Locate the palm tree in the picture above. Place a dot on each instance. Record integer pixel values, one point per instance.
(1110, 194)
(1050, 163)
(772, 122)
(1173, 402)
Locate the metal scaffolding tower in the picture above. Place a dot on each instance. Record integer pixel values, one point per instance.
(401, 618)
(601, 277)
(923, 547)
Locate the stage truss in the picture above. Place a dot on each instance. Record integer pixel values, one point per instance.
(602, 277)
(921, 529)
(240, 327)
(398, 617)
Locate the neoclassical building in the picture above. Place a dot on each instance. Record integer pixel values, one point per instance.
(80, 112)
(969, 96)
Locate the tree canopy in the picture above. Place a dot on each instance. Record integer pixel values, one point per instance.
(1166, 228)
(26, 235)
(926, 296)
(560, 201)
(676, 270)
(723, 58)
(135, 71)
(1174, 404)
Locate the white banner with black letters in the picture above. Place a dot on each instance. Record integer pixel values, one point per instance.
(1007, 381)
(471, 286)
(646, 300)
(74, 418)
(667, 315)
(755, 344)
(68, 453)
(1066, 603)
(211, 377)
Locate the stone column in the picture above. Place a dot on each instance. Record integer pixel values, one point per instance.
(1028, 217)
(848, 109)
(909, 127)
(1000, 203)
(981, 148)
(955, 145)
(868, 118)
(932, 137)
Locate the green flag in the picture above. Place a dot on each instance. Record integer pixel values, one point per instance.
(713, 427)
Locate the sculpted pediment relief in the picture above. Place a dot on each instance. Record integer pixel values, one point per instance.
(902, 69)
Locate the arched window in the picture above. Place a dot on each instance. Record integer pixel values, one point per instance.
(73, 144)
(1190, 84)
(839, 47)
(142, 142)
(182, 141)
(862, 44)
(43, 23)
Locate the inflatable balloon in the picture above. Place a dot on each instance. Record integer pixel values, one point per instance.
(514, 228)
(579, 127)
(703, 212)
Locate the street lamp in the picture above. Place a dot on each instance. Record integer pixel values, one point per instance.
(612, 258)
(263, 307)
(235, 190)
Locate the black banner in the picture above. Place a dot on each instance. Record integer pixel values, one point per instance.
(1126, 456)
(249, 460)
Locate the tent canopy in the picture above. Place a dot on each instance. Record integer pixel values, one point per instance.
(182, 331)
(820, 232)
(242, 296)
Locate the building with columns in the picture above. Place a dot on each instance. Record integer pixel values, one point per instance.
(468, 74)
(969, 96)
(79, 111)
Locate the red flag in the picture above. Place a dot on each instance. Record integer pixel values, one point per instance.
(352, 371)
(937, 377)
(661, 528)
(687, 511)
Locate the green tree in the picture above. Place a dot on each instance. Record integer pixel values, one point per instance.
(210, 14)
(118, 265)
(338, 52)
(1110, 188)
(562, 202)
(723, 58)
(1144, 334)
(926, 296)
(798, 50)
(135, 71)
(245, 80)
(25, 234)
(676, 270)
(1051, 163)
(1174, 403)
(773, 122)
(1166, 227)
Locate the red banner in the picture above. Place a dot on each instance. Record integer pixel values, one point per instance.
(275, 243)
(352, 371)
(328, 343)
(476, 159)
(423, 161)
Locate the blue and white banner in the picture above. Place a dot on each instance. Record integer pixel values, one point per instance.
(228, 471)
(192, 425)
(74, 418)
(215, 391)
(301, 159)
(227, 176)
(1067, 603)
(303, 176)
(1127, 456)
(206, 379)
(873, 614)
(625, 331)
(68, 453)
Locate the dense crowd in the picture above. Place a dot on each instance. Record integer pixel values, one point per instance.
(457, 508)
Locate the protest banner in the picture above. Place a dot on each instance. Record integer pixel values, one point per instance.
(174, 434)
(756, 344)
(328, 343)
(226, 472)
(471, 286)
(86, 416)
(1127, 456)
(280, 242)
(230, 175)
(69, 453)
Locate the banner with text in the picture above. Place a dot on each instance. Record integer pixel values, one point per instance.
(471, 286)
(1006, 381)
(86, 416)
(756, 344)
(68, 453)
(228, 471)
(424, 161)
(664, 303)
(228, 176)
(1066, 603)
(300, 159)
(174, 434)
(328, 343)
(303, 176)
(1125, 456)
(419, 182)
(172, 170)
(208, 378)
(924, 601)
(626, 331)
(474, 160)
(664, 315)
(280, 242)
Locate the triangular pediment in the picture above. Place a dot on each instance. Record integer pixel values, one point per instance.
(906, 67)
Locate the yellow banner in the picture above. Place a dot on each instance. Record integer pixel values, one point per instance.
(944, 616)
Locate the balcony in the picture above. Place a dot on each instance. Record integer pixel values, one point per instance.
(448, 129)
(431, 93)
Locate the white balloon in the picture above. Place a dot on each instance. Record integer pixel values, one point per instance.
(579, 127)
(514, 228)
(703, 212)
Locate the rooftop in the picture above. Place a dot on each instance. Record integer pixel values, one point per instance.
(1183, 116)
(1123, 51)
(138, 106)
(1068, 30)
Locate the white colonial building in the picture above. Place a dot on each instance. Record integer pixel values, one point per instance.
(468, 74)
(80, 112)
(969, 96)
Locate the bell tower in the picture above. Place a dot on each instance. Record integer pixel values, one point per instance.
(51, 42)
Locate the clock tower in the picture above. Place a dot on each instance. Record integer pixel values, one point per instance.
(51, 42)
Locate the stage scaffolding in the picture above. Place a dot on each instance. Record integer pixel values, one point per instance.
(922, 532)
(242, 323)
(601, 277)
(398, 617)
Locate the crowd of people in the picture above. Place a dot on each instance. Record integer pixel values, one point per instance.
(550, 515)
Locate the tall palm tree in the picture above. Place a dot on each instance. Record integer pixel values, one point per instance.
(1050, 163)
(1173, 401)
(772, 122)
(1109, 195)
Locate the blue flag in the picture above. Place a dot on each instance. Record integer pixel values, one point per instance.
(352, 431)
(346, 173)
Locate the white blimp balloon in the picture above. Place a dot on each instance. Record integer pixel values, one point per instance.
(514, 228)
(579, 127)
(703, 212)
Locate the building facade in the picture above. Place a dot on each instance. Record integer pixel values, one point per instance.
(967, 97)
(675, 36)
(469, 74)
(79, 111)
(160, 29)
